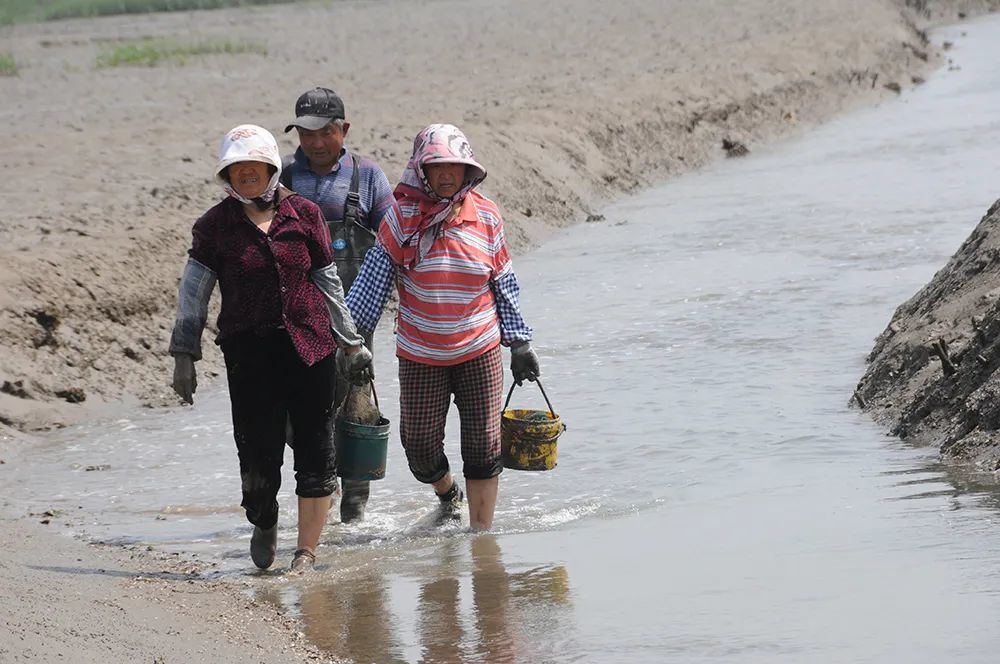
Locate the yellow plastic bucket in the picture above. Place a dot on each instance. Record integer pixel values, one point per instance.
(528, 438)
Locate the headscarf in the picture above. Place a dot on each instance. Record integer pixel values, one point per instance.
(248, 142)
(436, 144)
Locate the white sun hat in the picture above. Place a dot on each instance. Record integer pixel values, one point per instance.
(248, 142)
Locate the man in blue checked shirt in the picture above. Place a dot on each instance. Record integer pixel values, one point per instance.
(354, 195)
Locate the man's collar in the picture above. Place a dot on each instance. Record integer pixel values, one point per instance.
(302, 160)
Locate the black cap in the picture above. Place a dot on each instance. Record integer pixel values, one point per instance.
(316, 108)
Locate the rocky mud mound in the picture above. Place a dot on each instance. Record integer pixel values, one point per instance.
(932, 375)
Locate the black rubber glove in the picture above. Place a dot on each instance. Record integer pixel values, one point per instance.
(523, 362)
(185, 380)
(357, 367)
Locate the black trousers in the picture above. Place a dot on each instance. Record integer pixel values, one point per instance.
(270, 386)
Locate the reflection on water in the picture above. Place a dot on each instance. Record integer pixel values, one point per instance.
(351, 618)
(933, 478)
(468, 607)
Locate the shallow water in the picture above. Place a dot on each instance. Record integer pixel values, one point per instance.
(716, 498)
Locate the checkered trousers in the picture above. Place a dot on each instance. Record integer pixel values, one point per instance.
(424, 397)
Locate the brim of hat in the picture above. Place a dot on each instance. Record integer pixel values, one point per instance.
(472, 163)
(310, 122)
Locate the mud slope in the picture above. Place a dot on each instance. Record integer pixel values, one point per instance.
(932, 375)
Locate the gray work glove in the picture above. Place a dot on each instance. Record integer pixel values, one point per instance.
(185, 381)
(357, 367)
(523, 362)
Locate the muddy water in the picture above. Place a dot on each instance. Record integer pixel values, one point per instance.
(716, 499)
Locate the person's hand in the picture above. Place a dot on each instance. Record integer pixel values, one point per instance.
(523, 362)
(355, 364)
(185, 381)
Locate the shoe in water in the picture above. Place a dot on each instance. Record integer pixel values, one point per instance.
(353, 500)
(263, 545)
(303, 561)
(451, 504)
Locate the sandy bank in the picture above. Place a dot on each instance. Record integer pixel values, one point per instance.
(65, 601)
(568, 103)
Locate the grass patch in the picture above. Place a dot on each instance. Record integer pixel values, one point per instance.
(12, 11)
(18, 11)
(8, 65)
(149, 53)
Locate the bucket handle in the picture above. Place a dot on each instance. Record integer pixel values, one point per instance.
(537, 381)
(375, 395)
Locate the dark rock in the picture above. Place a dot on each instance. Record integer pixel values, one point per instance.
(734, 148)
(893, 86)
(594, 218)
(72, 395)
(49, 322)
(15, 389)
(922, 55)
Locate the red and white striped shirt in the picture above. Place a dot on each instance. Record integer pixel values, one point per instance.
(447, 308)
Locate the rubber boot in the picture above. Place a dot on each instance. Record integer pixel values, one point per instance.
(263, 546)
(353, 500)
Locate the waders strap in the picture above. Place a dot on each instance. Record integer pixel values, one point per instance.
(352, 206)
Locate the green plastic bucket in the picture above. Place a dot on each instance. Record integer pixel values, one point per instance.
(361, 448)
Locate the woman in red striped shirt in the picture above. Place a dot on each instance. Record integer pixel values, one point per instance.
(443, 246)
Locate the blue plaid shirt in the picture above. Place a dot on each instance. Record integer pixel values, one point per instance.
(371, 289)
(329, 191)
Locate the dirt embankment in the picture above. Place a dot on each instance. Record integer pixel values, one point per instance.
(932, 375)
(569, 104)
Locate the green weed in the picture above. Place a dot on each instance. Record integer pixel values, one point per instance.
(18, 11)
(149, 53)
(8, 65)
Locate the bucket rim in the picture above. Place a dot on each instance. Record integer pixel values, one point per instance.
(383, 423)
(549, 416)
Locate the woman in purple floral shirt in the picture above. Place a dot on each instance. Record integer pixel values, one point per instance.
(283, 329)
